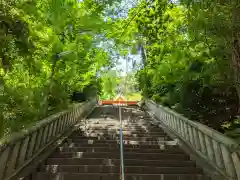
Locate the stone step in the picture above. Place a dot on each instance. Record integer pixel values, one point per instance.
(92, 152)
(127, 162)
(114, 145)
(115, 176)
(116, 136)
(105, 123)
(125, 134)
(115, 169)
(101, 124)
(125, 131)
(110, 121)
(125, 142)
(109, 137)
(116, 155)
(117, 149)
(129, 126)
(125, 122)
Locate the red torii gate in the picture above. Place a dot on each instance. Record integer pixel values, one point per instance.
(118, 101)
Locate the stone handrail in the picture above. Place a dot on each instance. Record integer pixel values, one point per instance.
(221, 152)
(17, 150)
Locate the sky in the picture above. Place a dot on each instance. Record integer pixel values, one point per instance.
(121, 67)
(129, 67)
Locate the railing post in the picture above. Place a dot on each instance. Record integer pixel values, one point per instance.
(12, 160)
(23, 150)
(61, 122)
(55, 123)
(202, 143)
(181, 128)
(218, 155)
(50, 130)
(190, 135)
(45, 133)
(210, 151)
(31, 144)
(186, 131)
(4, 158)
(236, 157)
(38, 139)
(196, 139)
(229, 166)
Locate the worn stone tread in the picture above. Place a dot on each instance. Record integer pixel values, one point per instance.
(115, 176)
(127, 155)
(117, 149)
(93, 151)
(128, 162)
(115, 169)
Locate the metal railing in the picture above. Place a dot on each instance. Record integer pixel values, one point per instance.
(121, 146)
(220, 151)
(19, 149)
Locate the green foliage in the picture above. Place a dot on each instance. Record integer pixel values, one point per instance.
(112, 84)
(109, 82)
(48, 50)
(188, 58)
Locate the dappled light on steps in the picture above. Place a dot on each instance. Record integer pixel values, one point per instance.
(93, 151)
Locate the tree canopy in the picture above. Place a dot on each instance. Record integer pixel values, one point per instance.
(51, 49)
(190, 51)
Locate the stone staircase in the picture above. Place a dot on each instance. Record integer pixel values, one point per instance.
(93, 153)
